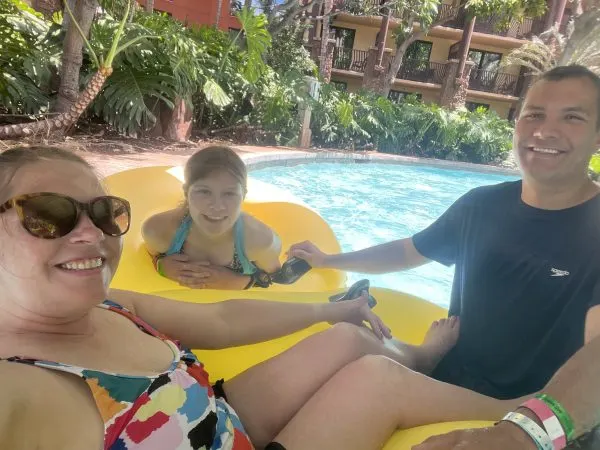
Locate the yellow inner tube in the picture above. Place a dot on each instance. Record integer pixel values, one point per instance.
(156, 189)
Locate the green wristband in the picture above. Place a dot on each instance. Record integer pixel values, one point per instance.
(159, 268)
(561, 414)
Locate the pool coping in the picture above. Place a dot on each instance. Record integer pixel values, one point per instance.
(256, 161)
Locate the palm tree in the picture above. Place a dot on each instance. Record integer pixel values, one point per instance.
(149, 6)
(579, 45)
(72, 57)
(67, 119)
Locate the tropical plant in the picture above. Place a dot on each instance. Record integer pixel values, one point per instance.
(81, 14)
(288, 53)
(579, 45)
(28, 57)
(367, 121)
(65, 120)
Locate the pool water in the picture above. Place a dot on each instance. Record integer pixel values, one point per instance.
(369, 204)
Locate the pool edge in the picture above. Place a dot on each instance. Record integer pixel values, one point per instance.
(258, 161)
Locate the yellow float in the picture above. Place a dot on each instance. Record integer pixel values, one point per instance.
(154, 189)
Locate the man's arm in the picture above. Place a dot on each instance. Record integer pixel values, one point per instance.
(389, 257)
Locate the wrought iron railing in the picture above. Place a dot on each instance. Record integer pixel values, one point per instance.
(422, 70)
(349, 59)
(520, 30)
(493, 81)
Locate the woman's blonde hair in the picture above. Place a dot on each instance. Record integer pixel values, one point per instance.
(17, 157)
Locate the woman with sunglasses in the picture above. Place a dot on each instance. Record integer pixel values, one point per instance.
(81, 368)
(208, 242)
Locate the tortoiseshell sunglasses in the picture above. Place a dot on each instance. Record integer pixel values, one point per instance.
(47, 215)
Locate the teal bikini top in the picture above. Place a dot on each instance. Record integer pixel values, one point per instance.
(240, 263)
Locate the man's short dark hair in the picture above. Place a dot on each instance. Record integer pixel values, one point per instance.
(575, 71)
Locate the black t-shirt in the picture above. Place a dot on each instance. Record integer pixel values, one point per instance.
(524, 281)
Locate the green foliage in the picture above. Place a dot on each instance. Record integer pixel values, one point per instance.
(275, 110)
(595, 163)
(505, 10)
(288, 52)
(360, 121)
(28, 57)
(258, 41)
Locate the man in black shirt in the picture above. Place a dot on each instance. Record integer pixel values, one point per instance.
(527, 278)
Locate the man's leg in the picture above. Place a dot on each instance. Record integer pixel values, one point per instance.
(268, 395)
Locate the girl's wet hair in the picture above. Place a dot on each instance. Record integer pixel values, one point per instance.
(17, 157)
(215, 159)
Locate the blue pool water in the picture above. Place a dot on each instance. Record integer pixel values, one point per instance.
(369, 204)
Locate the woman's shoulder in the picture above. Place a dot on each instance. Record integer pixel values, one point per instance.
(31, 399)
(158, 230)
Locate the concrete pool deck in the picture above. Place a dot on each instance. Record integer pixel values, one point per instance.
(108, 163)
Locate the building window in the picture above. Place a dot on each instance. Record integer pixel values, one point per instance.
(487, 61)
(344, 37)
(472, 106)
(399, 96)
(419, 51)
(341, 86)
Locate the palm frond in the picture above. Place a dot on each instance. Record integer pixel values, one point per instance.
(130, 97)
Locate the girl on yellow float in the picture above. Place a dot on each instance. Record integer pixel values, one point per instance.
(208, 242)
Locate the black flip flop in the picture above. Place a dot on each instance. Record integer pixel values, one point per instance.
(291, 271)
(354, 292)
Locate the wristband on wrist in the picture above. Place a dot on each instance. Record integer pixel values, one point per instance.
(561, 413)
(157, 265)
(533, 430)
(259, 278)
(549, 421)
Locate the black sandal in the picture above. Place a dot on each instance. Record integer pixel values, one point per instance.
(354, 292)
(291, 271)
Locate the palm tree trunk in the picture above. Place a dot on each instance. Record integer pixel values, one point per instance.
(72, 57)
(149, 6)
(219, 9)
(62, 121)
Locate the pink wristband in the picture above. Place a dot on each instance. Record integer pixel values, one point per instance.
(549, 421)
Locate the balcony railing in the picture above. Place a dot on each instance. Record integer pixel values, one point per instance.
(349, 59)
(520, 30)
(495, 82)
(423, 71)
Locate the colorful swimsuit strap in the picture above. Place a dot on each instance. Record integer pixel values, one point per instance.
(180, 236)
(239, 248)
(79, 371)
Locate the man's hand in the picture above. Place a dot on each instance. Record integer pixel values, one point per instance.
(309, 252)
(504, 436)
(213, 277)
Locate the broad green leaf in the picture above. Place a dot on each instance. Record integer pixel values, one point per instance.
(215, 93)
